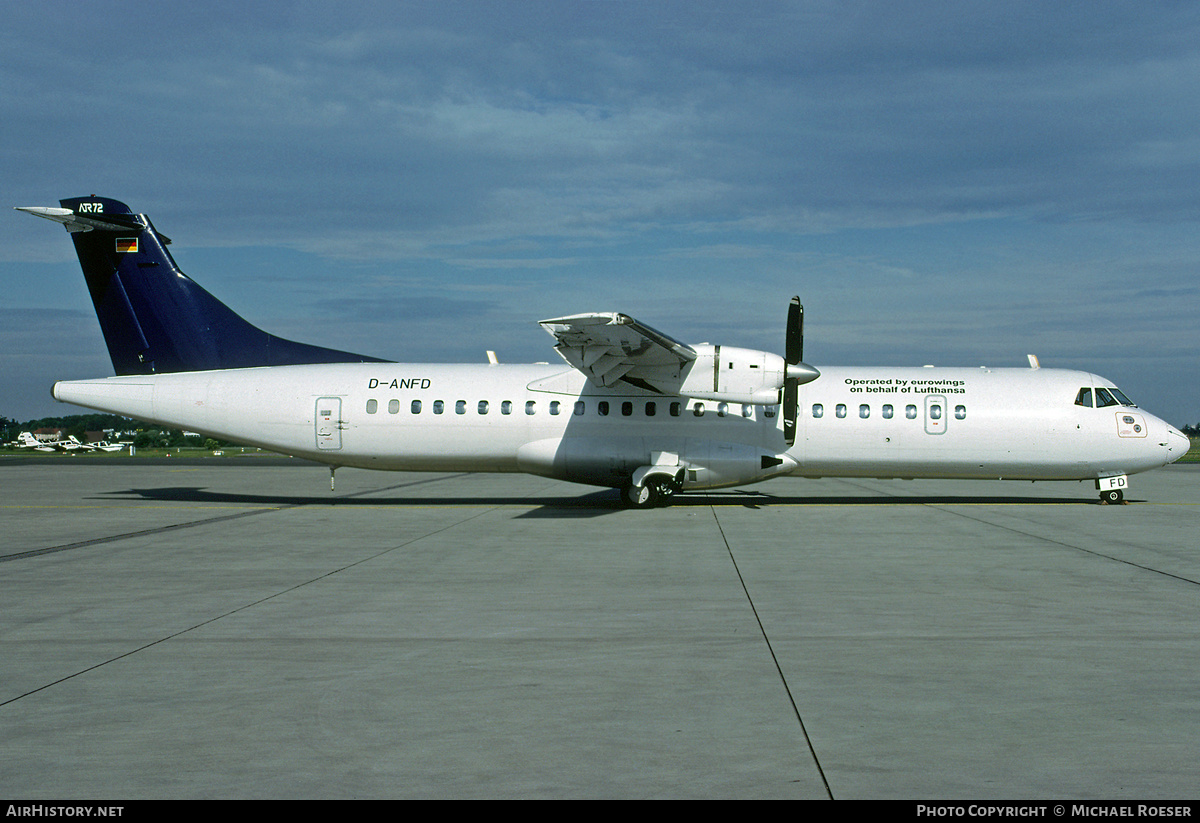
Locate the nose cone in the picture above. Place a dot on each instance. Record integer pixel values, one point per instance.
(1177, 444)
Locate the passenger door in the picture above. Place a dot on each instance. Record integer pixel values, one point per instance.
(328, 422)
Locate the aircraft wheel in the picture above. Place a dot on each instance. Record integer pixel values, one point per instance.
(1112, 497)
(644, 497)
(664, 490)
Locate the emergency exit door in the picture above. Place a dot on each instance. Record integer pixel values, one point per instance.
(935, 414)
(328, 421)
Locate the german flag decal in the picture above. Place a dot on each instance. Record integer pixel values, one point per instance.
(126, 245)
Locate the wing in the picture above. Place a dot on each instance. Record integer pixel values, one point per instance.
(610, 347)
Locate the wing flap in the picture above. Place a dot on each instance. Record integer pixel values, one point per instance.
(609, 347)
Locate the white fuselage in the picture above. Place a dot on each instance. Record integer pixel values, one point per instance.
(542, 419)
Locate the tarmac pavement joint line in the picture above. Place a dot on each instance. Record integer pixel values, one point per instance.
(1066, 545)
(204, 521)
(775, 660)
(946, 507)
(241, 608)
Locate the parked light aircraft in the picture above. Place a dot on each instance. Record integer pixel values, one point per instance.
(70, 444)
(26, 440)
(634, 409)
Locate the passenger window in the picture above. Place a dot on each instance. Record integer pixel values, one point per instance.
(888, 411)
(483, 407)
(393, 406)
(438, 406)
(910, 412)
(460, 407)
(602, 408)
(651, 409)
(864, 411)
(372, 406)
(416, 407)
(506, 407)
(818, 410)
(627, 408)
(935, 412)
(747, 410)
(960, 412)
(722, 409)
(840, 410)
(675, 409)
(769, 411)
(1084, 398)
(530, 406)
(698, 410)
(554, 406)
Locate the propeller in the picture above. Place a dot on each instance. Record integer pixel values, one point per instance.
(797, 371)
(794, 351)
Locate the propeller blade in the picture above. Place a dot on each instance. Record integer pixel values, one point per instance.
(797, 372)
(791, 400)
(794, 351)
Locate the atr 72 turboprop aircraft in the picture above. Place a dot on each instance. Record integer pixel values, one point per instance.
(634, 409)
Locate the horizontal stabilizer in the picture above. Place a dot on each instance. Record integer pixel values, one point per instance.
(80, 222)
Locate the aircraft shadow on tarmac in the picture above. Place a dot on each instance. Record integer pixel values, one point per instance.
(596, 503)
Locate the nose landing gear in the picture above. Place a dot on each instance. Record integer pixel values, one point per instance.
(1112, 489)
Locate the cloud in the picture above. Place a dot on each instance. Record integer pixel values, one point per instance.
(696, 162)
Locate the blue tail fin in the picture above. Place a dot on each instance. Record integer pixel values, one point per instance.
(156, 319)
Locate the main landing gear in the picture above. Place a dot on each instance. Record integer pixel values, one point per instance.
(657, 490)
(1112, 497)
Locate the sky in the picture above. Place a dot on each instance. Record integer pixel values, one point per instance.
(953, 183)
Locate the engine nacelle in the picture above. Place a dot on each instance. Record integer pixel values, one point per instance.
(734, 375)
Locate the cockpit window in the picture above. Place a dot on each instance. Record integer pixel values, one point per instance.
(1125, 401)
(1105, 396)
